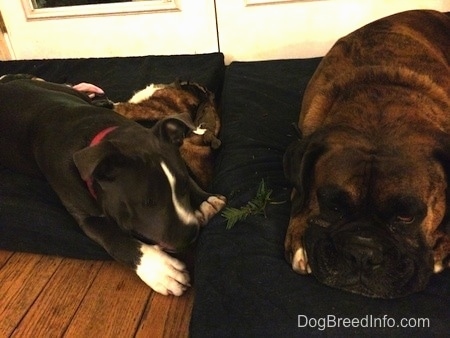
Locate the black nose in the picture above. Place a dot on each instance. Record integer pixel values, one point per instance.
(363, 252)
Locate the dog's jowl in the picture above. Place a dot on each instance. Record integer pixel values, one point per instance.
(126, 185)
(370, 205)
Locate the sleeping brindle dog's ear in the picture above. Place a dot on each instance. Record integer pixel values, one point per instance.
(299, 161)
(442, 245)
(442, 155)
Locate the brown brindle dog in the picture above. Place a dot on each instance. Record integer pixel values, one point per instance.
(370, 205)
(158, 101)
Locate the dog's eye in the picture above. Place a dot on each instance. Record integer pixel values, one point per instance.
(333, 202)
(404, 219)
(319, 222)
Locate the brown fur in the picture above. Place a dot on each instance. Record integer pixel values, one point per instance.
(177, 98)
(382, 93)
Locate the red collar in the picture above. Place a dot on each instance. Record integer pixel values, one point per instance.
(96, 140)
(101, 135)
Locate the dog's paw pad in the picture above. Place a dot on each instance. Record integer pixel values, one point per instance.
(209, 208)
(163, 273)
(300, 262)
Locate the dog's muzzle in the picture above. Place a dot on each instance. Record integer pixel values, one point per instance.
(363, 257)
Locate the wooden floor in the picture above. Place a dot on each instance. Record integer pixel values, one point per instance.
(47, 296)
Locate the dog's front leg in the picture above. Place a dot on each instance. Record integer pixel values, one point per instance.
(162, 272)
(159, 270)
(295, 251)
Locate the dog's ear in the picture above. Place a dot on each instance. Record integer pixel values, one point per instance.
(299, 161)
(87, 159)
(174, 128)
(442, 155)
(442, 247)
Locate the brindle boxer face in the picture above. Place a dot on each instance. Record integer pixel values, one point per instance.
(368, 222)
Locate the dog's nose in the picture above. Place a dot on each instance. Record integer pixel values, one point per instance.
(363, 252)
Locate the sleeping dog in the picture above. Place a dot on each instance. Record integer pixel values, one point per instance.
(157, 101)
(127, 186)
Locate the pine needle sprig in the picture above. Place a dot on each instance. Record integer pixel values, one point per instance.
(256, 206)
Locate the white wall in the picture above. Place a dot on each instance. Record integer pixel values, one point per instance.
(272, 30)
(299, 28)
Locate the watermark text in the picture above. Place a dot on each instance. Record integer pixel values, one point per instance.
(368, 321)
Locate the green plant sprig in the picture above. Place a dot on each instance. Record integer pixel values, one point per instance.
(256, 206)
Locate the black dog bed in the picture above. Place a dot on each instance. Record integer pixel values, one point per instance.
(244, 286)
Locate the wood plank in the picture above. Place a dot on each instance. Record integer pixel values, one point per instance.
(59, 300)
(53, 296)
(113, 306)
(4, 256)
(167, 316)
(21, 281)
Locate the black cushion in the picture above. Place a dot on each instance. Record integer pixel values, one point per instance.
(244, 286)
(32, 218)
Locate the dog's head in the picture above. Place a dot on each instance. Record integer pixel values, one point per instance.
(141, 182)
(373, 215)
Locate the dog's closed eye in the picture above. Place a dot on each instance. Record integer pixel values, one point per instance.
(334, 202)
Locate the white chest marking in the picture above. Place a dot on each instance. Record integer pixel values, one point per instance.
(186, 216)
(145, 93)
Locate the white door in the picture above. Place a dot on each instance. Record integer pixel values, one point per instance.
(149, 27)
(273, 29)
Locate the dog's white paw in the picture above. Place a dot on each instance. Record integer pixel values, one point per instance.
(209, 208)
(163, 273)
(300, 262)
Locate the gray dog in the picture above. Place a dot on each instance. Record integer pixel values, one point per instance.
(126, 185)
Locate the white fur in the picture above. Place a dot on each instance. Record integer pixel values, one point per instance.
(186, 216)
(145, 93)
(209, 208)
(148, 92)
(438, 267)
(300, 262)
(199, 130)
(163, 273)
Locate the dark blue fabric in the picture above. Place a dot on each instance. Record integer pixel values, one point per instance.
(244, 286)
(31, 217)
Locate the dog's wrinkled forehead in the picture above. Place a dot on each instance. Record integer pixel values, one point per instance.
(344, 168)
(365, 175)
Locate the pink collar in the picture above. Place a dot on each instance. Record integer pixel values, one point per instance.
(96, 140)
